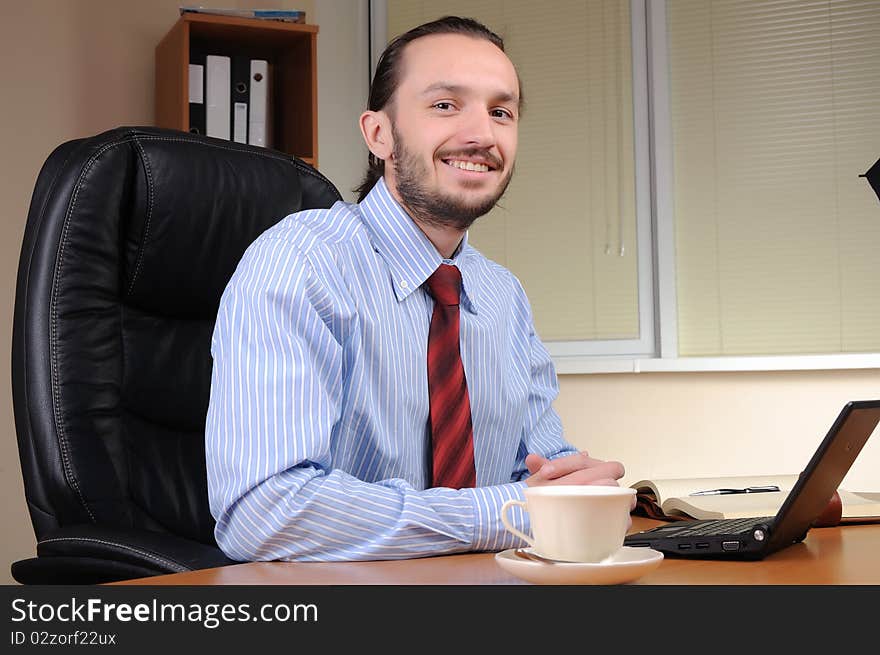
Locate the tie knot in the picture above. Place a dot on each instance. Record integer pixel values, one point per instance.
(445, 285)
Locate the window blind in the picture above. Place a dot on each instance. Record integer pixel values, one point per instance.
(775, 109)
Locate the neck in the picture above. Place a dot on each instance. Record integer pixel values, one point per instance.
(444, 238)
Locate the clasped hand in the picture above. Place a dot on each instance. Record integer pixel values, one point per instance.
(579, 468)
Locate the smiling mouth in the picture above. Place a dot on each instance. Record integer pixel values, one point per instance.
(468, 165)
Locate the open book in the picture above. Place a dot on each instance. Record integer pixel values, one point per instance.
(671, 499)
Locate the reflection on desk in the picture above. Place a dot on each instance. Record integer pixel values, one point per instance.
(829, 556)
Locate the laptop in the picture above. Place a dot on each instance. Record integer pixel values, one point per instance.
(755, 538)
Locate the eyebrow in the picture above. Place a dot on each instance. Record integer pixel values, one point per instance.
(503, 96)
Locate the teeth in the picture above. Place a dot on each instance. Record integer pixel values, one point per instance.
(469, 166)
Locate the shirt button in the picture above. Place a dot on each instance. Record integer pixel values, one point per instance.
(404, 284)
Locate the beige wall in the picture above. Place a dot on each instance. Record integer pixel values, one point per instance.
(343, 85)
(694, 424)
(89, 67)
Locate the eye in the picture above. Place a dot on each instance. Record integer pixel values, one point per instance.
(443, 105)
(500, 112)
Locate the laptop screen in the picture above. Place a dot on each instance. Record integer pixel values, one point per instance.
(823, 474)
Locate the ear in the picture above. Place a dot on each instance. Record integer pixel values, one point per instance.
(376, 130)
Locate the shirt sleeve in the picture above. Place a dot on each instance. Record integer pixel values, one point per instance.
(276, 393)
(542, 431)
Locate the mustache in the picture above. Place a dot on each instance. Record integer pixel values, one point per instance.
(478, 153)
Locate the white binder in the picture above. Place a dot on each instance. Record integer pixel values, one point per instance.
(258, 132)
(239, 120)
(217, 96)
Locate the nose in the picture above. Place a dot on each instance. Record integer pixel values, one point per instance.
(479, 128)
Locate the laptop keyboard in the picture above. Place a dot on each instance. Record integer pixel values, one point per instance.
(715, 526)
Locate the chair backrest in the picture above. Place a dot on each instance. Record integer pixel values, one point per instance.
(130, 240)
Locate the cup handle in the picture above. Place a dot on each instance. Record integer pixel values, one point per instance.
(507, 524)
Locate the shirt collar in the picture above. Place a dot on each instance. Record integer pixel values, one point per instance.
(409, 254)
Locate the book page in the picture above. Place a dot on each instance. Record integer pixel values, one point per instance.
(665, 489)
(735, 506)
(857, 507)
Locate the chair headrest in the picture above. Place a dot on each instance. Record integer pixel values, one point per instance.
(174, 190)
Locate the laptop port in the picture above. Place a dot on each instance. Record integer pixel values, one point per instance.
(702, 545)
(684, 546)
(730, 545)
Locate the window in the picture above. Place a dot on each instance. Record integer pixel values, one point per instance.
(730, 215)
(775, 108)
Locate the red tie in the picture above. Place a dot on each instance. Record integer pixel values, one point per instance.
(452, 434)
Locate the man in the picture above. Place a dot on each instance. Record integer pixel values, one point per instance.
(352, 416)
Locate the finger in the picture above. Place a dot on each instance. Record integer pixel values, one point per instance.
(590, 461)
(604, 470)
(605, 474)
(534, 462)
(569, 464)
(579, 480)
(604, 482)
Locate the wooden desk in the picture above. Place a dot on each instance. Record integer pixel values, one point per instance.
(829, 556)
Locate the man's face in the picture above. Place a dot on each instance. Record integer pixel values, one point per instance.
(454, 126)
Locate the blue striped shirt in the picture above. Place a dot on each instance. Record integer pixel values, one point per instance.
(317, 431)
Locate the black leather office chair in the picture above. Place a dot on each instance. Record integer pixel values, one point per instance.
(130, 240)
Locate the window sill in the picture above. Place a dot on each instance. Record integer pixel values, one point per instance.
(575, 365)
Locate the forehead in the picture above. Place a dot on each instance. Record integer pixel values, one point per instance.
(457, 60)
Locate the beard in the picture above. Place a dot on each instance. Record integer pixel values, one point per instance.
(432, 206)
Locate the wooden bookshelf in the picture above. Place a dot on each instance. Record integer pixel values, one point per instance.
(290, 49)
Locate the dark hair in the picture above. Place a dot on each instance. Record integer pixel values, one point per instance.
(387, 76)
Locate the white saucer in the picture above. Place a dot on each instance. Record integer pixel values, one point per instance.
(626, 565)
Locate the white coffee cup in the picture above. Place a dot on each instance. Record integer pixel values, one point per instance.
(574, 523)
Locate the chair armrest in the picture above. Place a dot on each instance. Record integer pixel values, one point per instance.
(141, 550)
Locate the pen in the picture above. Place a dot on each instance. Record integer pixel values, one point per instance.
(746, 490)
